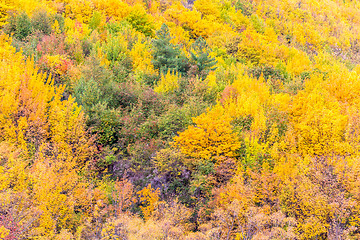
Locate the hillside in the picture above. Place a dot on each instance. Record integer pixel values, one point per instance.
(167, 119)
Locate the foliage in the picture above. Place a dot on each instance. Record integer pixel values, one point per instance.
(211, 136)
(140, 21)
(44, 129)
(167, 56)
(179, 120)
(41, 22)
(201, 57)
(4, 9)
(19, 25)
(167, 83)
(150, 199)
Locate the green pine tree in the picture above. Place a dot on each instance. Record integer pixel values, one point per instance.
(201, 57)
(168, 56)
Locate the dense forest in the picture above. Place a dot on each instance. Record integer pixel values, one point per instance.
(167, 119)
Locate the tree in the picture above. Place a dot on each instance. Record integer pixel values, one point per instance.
(166, 55)
(150, 198)
(168, 83)
(4, 8)
(201, 58)
(140, 21)
(49, 149)
(212, 136)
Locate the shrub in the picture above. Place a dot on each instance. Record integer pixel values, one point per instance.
(52, 45)
(173, 121)
(172, 174)
(95, 20)
(87, 93)
(4, 9)
(140, 21)
(115, 49)
(258, 23)
(19, 25)
(245, 7)
(122, 69)
(57, 65)
(168, 83)
(28, 48)
(60, 21)
(40, 21)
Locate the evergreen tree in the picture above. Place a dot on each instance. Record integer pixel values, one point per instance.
(168, 56)
(201, 57)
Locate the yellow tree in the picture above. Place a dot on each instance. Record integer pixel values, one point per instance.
(318, 121)
(168, 83)
(150, 198)
(5, 6)
(211, 136)
(49, 145)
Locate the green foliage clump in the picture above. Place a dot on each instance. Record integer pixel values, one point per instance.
(41, 22)
(60, 20)
(23, 26)
(173, 121)
(269, 73)
(114, 50)
(19, 25)
(244, 6)
(96, 93)
(258, 23)
(167, 56)
(95, 20)
(141, 22)
(201, 58)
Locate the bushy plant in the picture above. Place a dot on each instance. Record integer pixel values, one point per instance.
(115, 49)
(28, 47)
(258, 23)
(122, 70)
(95, 20)
(244, 6)
(58, 66)
(60, 20)
(4, 9)
(19, 25)
(52, 45)
(140, 21)
(173, 121)
(41, 22)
